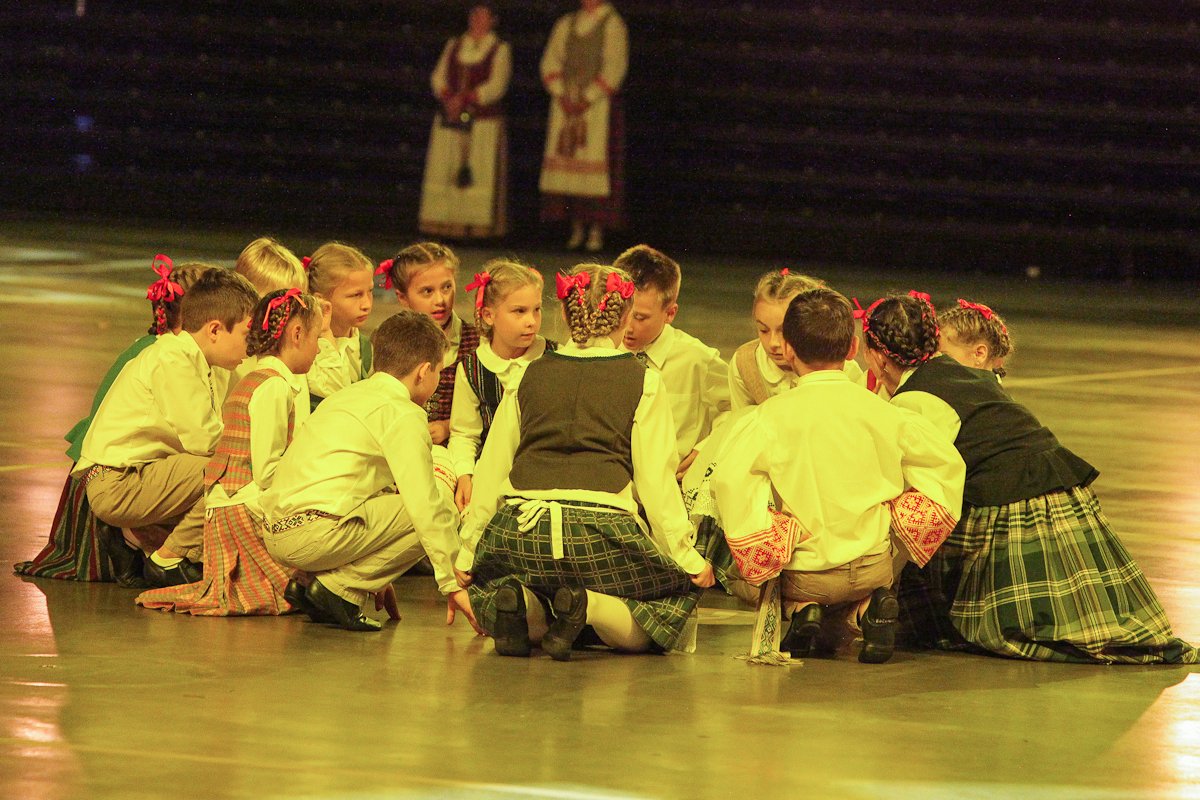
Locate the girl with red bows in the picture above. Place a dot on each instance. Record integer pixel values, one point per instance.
(508, 313)
(975, 336)
(554, 540)
(260, 415)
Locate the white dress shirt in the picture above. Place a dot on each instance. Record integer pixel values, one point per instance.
(367, 439)
(337, 365)
(162, 403)
(654, 462)
(466, 421)
(697, 382)
(834, 454)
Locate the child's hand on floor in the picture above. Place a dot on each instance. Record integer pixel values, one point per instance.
(459, 601)
(386, 600)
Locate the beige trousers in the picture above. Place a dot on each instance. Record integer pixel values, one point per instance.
(844, 584)
(153, 498)
(354, 556)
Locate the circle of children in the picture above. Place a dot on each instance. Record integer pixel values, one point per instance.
(256, 453)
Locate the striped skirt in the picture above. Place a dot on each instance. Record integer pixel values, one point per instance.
(72, 554)
(240, 577)
(1044, 579)
(601, 550)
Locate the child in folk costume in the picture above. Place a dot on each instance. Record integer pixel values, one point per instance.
(81, 547)
(808, 483)
(553, 539)
(464, 193)
(240, 577)
(345, 278)
(583, 166)
(355, 500)
(975, 336)
(144, 455)
(1033, 570)
(423, 277)
(508, 312)
(696, 377)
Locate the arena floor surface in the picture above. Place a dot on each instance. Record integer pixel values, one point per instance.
(101, 699)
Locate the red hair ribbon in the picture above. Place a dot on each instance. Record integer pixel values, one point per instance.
(276, 302)
(304, 262)
(864, 314)
(482, 279)
(785, 271)
(616, 283)
(385, 269)
(164, 289)
(987, 313)
(921, 296)
(565, 284)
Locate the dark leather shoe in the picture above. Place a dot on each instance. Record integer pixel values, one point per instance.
(804, 631)
(570, 615)
(339, 612)
(183, 572)
(512, 625)
(295, 594)
(879, 626)
(126, 561)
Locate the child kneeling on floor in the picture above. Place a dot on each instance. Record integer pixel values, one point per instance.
(836, 455)
(354, 499)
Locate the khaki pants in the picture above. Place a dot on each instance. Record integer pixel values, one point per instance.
(152, 498)
(844, 584)
(354, 556)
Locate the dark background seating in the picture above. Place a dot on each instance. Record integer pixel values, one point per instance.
(957, 134)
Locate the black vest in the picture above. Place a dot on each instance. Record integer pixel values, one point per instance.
(577, 423)
(1010, 456)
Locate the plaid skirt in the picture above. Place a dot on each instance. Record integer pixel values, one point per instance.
(240, 577)
(603, 550)
(72, 554)
(1044, 579)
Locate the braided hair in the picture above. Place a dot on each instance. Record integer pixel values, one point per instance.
(971, 323)
(166, 311)
(273, 314)
(400, 268)
(505, 276)
(903, 328)
(593, 310)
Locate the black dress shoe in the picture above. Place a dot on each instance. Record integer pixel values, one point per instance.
(512, 625)
(337, 611)
(294, 593)
(126, 561)
(879, 626)
(158, 576)
(570, 615)
(804, 631)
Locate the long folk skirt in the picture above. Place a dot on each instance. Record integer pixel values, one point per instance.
(1044, 579)
(72, 553)
(602, 549)
(240, 577)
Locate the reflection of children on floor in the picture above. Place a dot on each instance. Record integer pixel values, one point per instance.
(1032, 570)
(79, 545)
(354, 498)
(834, 455)
(508, 313)
(144, 456)
(263, 410)
(554, 538)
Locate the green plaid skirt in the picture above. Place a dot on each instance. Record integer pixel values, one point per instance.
(1044, 579)
(603, 550)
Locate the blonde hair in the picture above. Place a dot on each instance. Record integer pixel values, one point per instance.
(507, 276)
(601, 311)
(967, 324)
(270, 266)
(330, 265)
(416, 258)
(781, 285)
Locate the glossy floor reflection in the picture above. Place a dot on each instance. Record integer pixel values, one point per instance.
(101, 699)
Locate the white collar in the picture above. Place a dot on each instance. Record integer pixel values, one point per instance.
(487, 356)
(295, 382)
(658, 350)
(769, 370)
(597, 346)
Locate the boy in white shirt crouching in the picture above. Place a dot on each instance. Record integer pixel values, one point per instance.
(354, 499)
(834, 455)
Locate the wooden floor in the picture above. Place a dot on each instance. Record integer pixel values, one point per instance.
(101, 699)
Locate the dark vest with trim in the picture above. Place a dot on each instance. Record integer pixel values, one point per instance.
(487, 388)
(577, 423)
(1010, 456)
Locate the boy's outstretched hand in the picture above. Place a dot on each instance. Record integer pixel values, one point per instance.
(458, 601)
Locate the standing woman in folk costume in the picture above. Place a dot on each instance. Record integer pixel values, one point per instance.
(464, 194)
(583, 167)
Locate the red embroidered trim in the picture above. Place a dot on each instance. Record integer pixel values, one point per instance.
(920, 524)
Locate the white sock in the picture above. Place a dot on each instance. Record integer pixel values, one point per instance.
(163, 561)
(614, 623)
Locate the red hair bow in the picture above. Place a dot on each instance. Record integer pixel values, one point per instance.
(304, 262)
(616, 283)
(385, 269)
(980, 307)
(785, 271)
(565, 284)
(921, 296)
(482, 279)
(276, 302)
(864, 314)
(163, 289)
